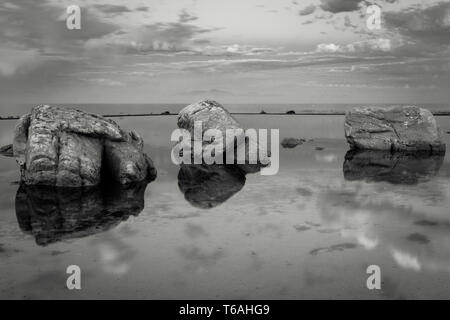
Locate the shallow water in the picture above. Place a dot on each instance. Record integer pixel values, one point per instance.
(308, 232)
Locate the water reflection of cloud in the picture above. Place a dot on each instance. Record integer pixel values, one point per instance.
(116, 256)
(384, 220)
(406, 260)
(326, 158)
(333, 248)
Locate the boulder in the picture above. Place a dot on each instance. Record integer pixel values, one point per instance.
(207, 186)
(398, 128)
(406, 168)
(65, 147)
(214, 116)
(289, 143)
(125, 160)
(53, 214)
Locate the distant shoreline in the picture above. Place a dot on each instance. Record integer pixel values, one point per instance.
(287, 113)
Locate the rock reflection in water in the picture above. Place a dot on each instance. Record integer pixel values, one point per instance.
(395, 168)
(53, 214)
(207, 186)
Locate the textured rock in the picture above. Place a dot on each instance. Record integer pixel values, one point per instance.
(214, 116)
(395, 168)
(64, 147)
(207, 186)
(53, 214)
(126, 160)
(7, 150)
(20, 140)
(290, 143)
(400, 128)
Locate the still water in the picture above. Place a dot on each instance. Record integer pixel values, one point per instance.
(308, 232)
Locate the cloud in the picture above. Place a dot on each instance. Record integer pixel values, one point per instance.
(368, 46)
(336, 6)
(329, 48)
(13, 61)
(37, 26)
(172, 38)
(6, 6)
(307, 10)
(250, 64)
(184, 17)
(105, 82)
(167, 37)
(111, 8)
(233, 50)
(210, 92)
(348, 23)
(142, 8)
(427, 26)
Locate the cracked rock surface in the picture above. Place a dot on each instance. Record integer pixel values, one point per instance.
(66, 147)
(398, 128)
(213, 115)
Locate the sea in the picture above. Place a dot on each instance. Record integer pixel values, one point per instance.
(313, 230)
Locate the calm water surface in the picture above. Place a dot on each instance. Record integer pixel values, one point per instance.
(308, 232)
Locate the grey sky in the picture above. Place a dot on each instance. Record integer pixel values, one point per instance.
(309, 51)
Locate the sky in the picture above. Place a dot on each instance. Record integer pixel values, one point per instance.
(234, 51)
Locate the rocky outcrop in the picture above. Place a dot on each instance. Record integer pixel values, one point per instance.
(213, 115)
(207, 186)
(289, 143)
(67, 147)
(395, 168)
(399, 128)
(53, 214)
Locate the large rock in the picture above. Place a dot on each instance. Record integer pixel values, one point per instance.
(214, 116)
(207, 186)
(125, 160)
(399, 128)
(289, 143)
(65, 147)
(53, 214)
(395, 168)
